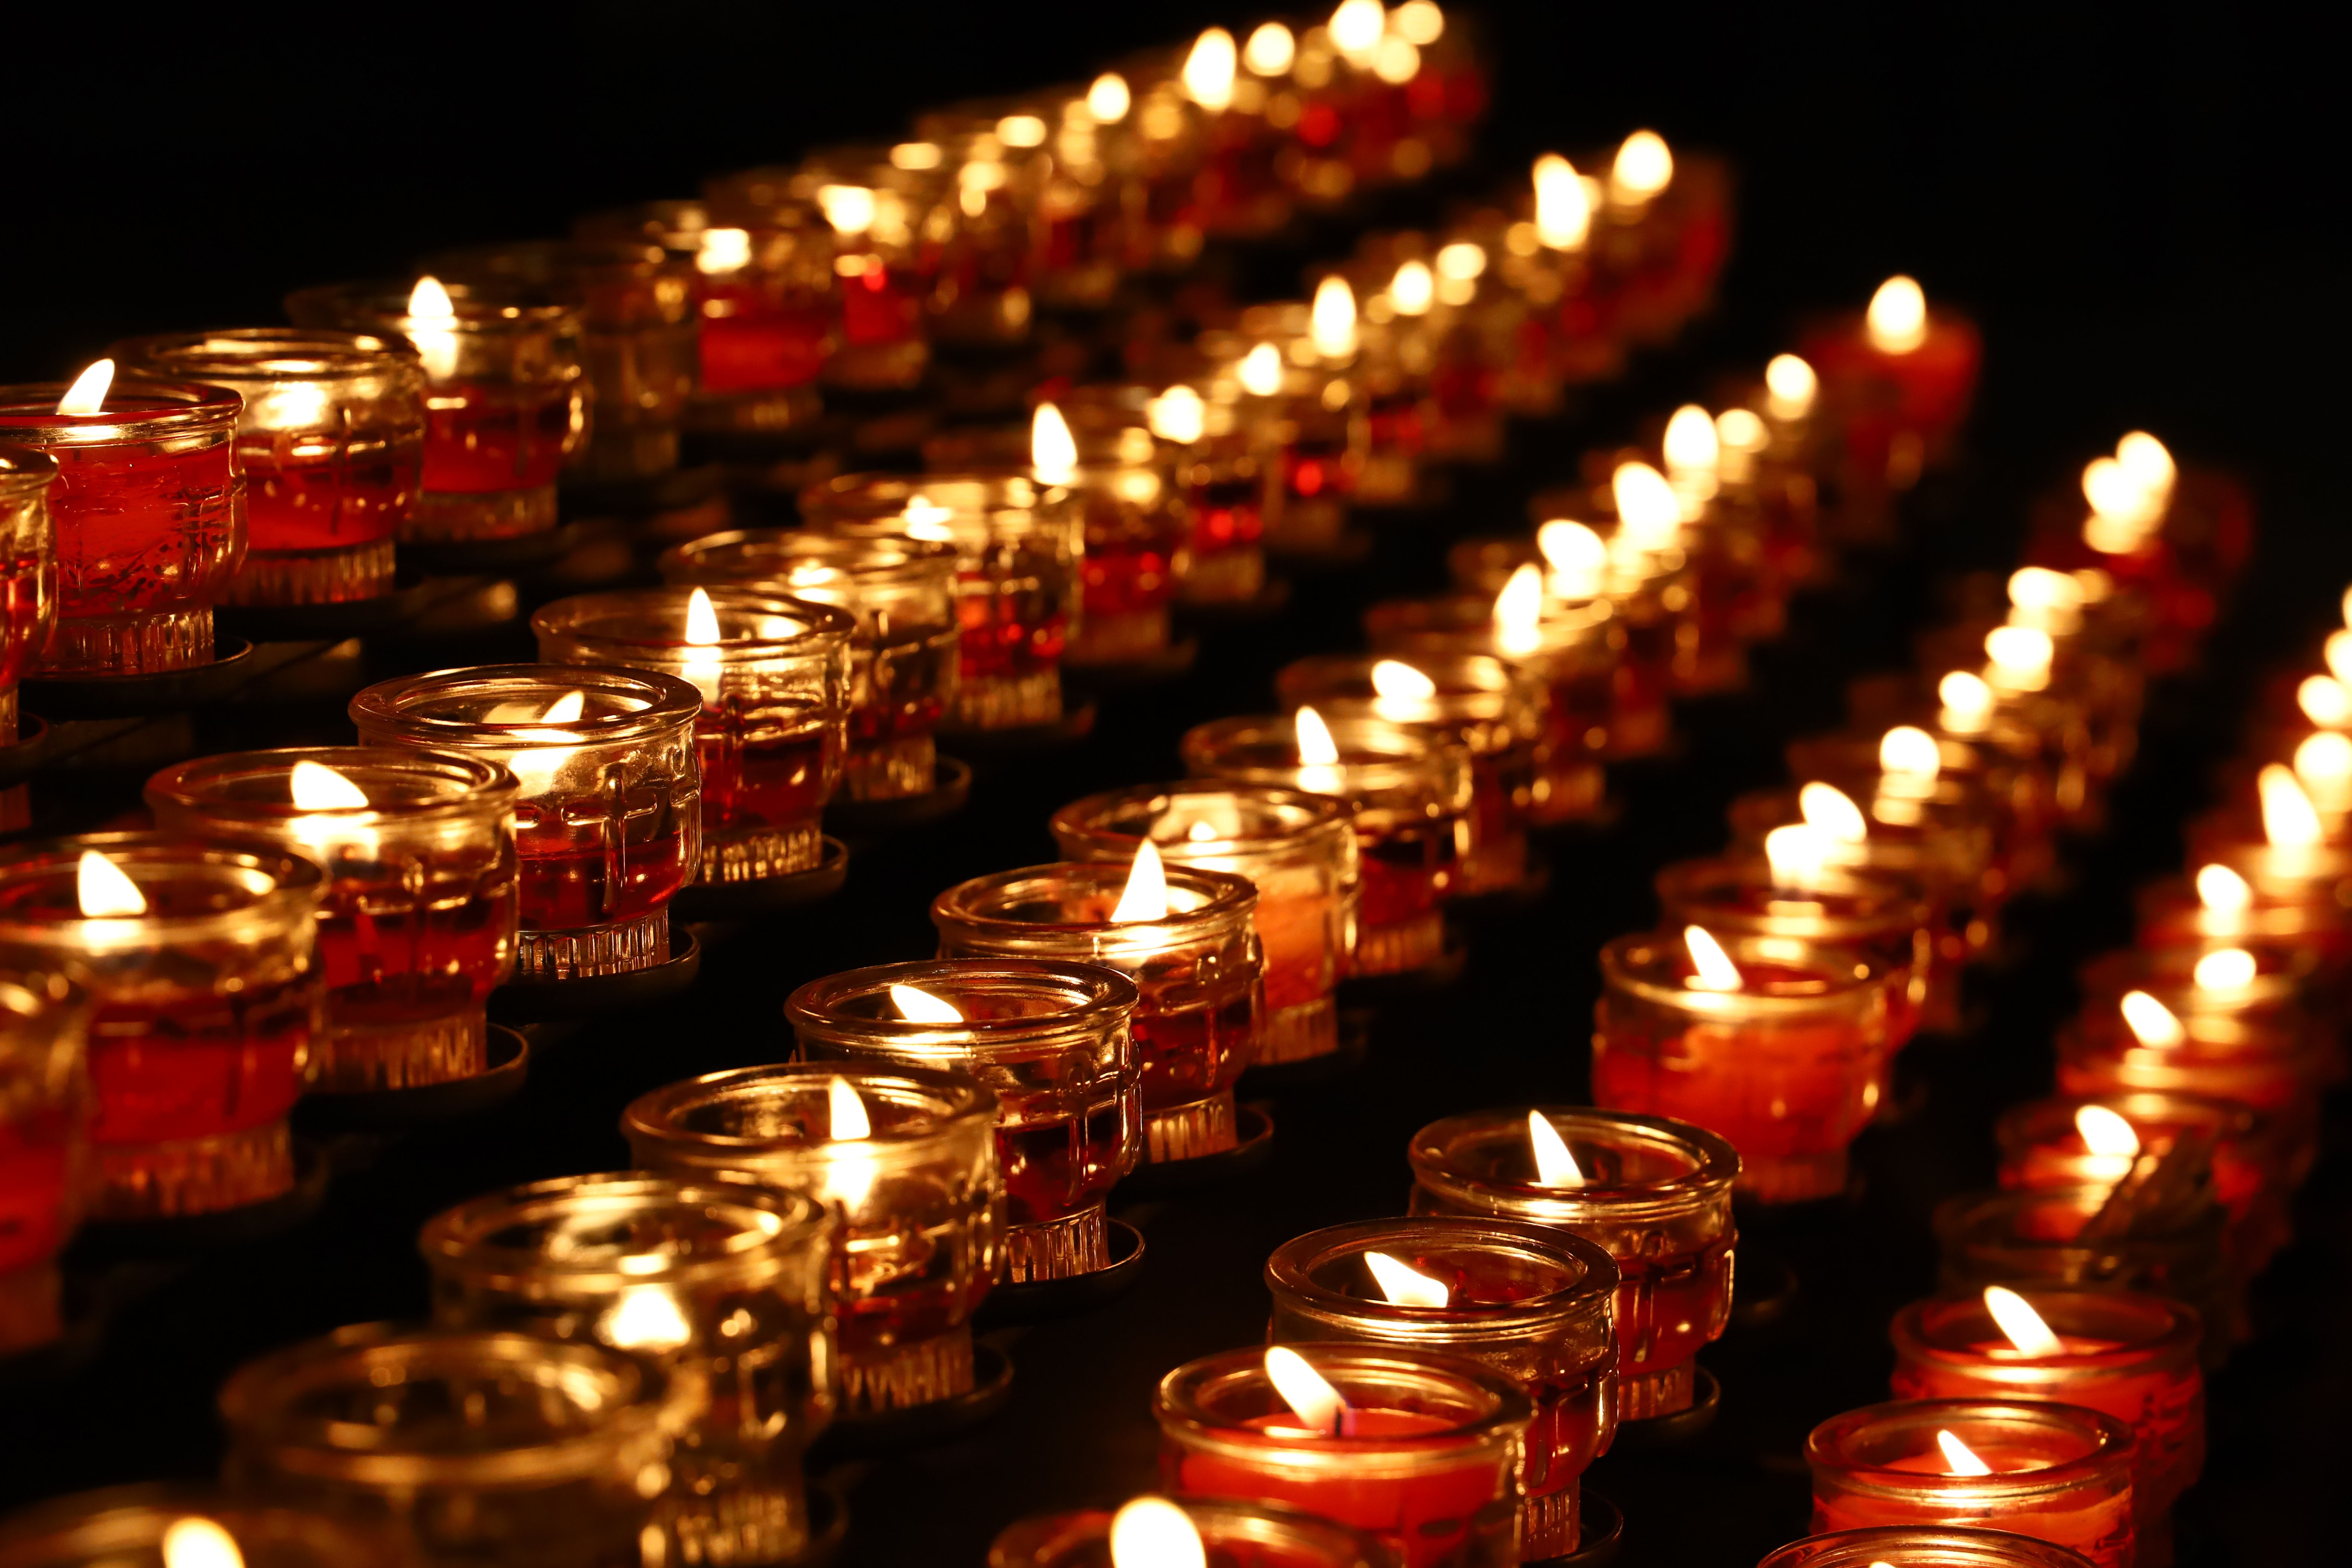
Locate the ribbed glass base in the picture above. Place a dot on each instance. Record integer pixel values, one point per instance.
(901, 1376)
(1296, 1033)
(1791, 1178)
(747, 856)
(314, 576)
(1119, 639)
(715, 1516)
(195, 1176)
(1058, 1248)
(769, 412)
(1188, 1132)
(1010, 702)
(602, 950)
(355, 1058)
(623, 453)
(29, 1314)
(1225, 576)
(1549, 1525)
(1664, 1391)
(130, 645)
(895, 769)
(443, 516)
(1402, 948)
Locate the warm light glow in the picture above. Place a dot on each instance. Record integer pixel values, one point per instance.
(1208, 70)
(2223, 892)
(1107, 99)
(1261, 371)
(2023, 1328)
(1310, 1398)
(1315, 747)
(1145, 897)
(723, 250)
(1414, 289)
(2040, 588)
(1910, 750)
(1518, 612)
(1833, 811)
(848, 208)
(2020, 654)
(1716, 970)
(1396, 60)
(1406, 1286)
(194, 1542)
(645, 1319)
(847, 1121)
(2104, 1133)
(1465, 259)
(1790, 387)
(1331, 325)
(1398, 681)
(917, 1005)
(2325, 701)
(2324, 762)
(319, 788)
(1355, 28)
(1647, 510)
(2289, 819)
(1571, 548)
(1644, 167)
(1957, 1459)
(1742, 430)
(1796, 852)
(104, 892)
(1968, 701)
(1053, 450)
(1270, 49)
(2149, 463)
(1178, 415)
(567, 709)
(1563, 206)
(1152, 1532)
(429, 301)
(2226, 969)
(88, 392)
(2151, 1022)
(1897, 319)
(431, 318)
(2337, 651)
(702, 621)
(1691, 444)
(1418, 22)
(1021, 130)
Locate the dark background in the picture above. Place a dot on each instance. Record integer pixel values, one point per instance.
(2140, 206)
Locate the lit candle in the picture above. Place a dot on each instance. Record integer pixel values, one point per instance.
(1156, 1532)
(1900, 376)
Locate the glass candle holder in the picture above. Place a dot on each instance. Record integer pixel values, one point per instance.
(1493, 711)
(128, 1527)
(2131, 1357)
(418, 924)
(148, 513)
(1527, 1301)
(2281, 1076)
(608, 820)
(1198, 969)
(1018, 550)
(456, 1445)
(331, 443)
(1052, 1040)
(2032, 1236)
(1229, 1530)
(1427, 1461)
(919, 1192)
(505, 401)
(1408, 792)
(904, 651)
(204, 1006)
(1787, 1066)
(29, 571)
(2059, 1473)
(773, 675)
(44, 1146)
(1946, 850)
(1923, 1546)
(1300, 852)
(1655, 1193)
(721, 1285)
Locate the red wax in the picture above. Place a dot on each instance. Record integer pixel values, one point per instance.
(751, 343)
(1227, 513)
(763, 765)
(571, 879)
(132, 522)
(1927, 390)
(1127, 576)
(1189, 1053)
(1059, 1166)
(480, 438)
(33, 1197)
(1400, 876)
(1008, 636)
(877, 308)
(21, 585)
(198, 1064)
(433, 955)
(1313, 467)
(308, 491)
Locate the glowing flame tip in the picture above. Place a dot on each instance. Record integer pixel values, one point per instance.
(315, 787)
(1958, 1459)
(1556, 1164)
(1145, 897)
(88, 392)
(2023, 1328)
(1311, 1397)
(104, 892)
(1716, 970)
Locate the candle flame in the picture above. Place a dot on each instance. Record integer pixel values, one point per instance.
(1467, 258)
(1644, 166)
(317, 787)
(1406, 1286)
(1831, 810)
(1563, 206)
(2020, 654)
(847, 1121)
(1691, 444)
(1742, 430)
(1201, 833)
(1897, 319)
(1208, 70)
(2337, 651)
(2325, 701)
(1716, 970)
(1647, 510)
(2104, 1133)
(88, 392)
(1108, 100)
(1910, 750)
(723, 250)
(1053, 450)
(1396, 60)
(2289, 819)
(1518, 611)
(1556, 1164)
(702, 620)
(1355, 28)
(2325, 759)
(927, 521)
(1332, 325)
(1790, 387)
(2226, 969)
(431, 319)
(1571, 548)
(1418, 22)
(194, 1542)
(1270, 49)
(2152, 1023)
(849, 209)
(1261, 371)
(1145, 897)
(1968, 701)
(429, 301)
(1397, 682)
(1315, 747)
(1414, 289)
(1797, 853)
(917, 1005)
(1957, 1459)
(2040, 588)
(1178, 415)
(2149, 463)
(104, 892)
(2023, 1328)
(1152, 1532)
(2222, 891)
(1311, 1397)
(646, 1318)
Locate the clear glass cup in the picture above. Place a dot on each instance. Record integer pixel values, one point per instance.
(1054, 1041)
(29, 571)
(190, 1093)
(1231, 1530)
(774, 720)
(919, 1196)
(608, 823)
(128, 1527)
(719, 1287)
(419, 920)
(44, 1146)
(147, 514)
(331, 443)
(1922, 1546)
(904, 654)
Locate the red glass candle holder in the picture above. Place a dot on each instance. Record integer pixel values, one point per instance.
(2281, 1075)
(29, 571)
(1298, 851)
(44, 1147)
(418, 925)
(1945, 848)
(1784, 1068)
(1198, 971)
(331, 443)
(1018, 549)
(920, 1195)
(1923, 1546)
(203, 1008)
(1427, 1461)
(2059, 1472)
(1655, 1193)
(452, 1445)
(1879, 394)
(722, 1286)
(1223, 472)
(119, 1526)
(2174, 913)
(1318, 415)
(1525, 1302)
(505, 404)
(148, 513)
(885, 257)
(608, 821)
(1229, 1530)
(2131, 1357)
(774, 683)
(1495, 711)
(1053, 1041)
(903, 653)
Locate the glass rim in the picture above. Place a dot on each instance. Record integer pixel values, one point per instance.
(1952, 1545)
(1225, 897)
(1327, 821)
(1850, 983)
(1419, 759)
(871, 497)
(2169, 1332)
(654, 1116)
(2231, 1120)
(1967, 1220)
(875, 559)
(1290, 1271)
(297, 886)
(199, 784)
(191, 406)
(1107, 999)
(112, 1525)
(1715, 1163)
(1890, 907)
(1484, 690)
(1179, 1404)
(671, 706)
(2110, 1455)
(473, 311)
(248, 353)
(1056, 1540)
(824, 629)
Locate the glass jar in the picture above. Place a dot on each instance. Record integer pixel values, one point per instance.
(418, 924)
(331, 443)
(1948, 849)
(158, 1526)
(204, 1003)
(1198, 967)
(916, 1188)
(29, 571)
(147, 514)
(773, 675)
(1229, 1530)
(720, 1287)
(2281, 1076)
(1922, 1546)
(1054, 1041)
(903, 654)
(1527, 1301)
(1298, 850)
(455, 1447)
(608, 821)
(1655, 1193)
(890, 210)
(44, 1146)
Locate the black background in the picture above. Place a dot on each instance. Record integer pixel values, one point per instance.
(2141, 207)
